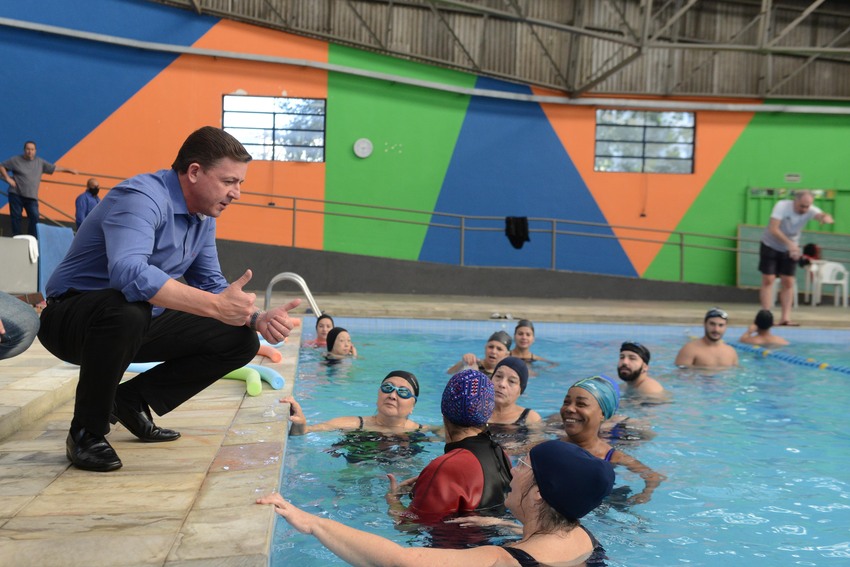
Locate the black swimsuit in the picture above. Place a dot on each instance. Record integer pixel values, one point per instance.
(358, 445)
(360, 428)
(521, 419)
(488, 373)
(526, 560)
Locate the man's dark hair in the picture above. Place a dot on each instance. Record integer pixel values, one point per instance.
(30, 142)
(764, 320)
(206, 146)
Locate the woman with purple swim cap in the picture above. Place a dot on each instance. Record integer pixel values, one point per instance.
(552, 489)
(588, 403)
(473, 474)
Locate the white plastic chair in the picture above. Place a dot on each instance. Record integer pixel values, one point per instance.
(777, 285)
(834, 274)
(810, 277)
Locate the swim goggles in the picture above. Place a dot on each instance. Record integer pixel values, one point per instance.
(716, 312)
(402, 392)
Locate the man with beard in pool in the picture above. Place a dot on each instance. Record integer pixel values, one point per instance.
(633, 368)
(709, 351)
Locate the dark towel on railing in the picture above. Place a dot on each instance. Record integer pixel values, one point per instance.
(516, 229)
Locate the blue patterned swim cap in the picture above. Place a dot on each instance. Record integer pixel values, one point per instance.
(468, 399)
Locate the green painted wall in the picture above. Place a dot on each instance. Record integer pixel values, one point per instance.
(815, 146)
(413, 132)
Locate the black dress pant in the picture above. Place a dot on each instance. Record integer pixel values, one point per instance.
(103, 333)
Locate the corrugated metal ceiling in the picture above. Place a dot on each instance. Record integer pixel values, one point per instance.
(715, 48)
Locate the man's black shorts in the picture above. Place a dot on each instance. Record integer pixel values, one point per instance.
(776, 263)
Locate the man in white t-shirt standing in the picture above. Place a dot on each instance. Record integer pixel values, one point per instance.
(780, 248)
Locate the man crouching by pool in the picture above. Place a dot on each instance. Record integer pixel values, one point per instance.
(115, 299)
(709, 351)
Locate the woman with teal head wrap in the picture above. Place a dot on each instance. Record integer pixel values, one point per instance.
(606, 392)
(588, 403)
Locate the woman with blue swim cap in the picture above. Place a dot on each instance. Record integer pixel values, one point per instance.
(552, 488)
(588, 403)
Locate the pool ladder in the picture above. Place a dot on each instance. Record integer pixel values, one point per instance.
(293, 277)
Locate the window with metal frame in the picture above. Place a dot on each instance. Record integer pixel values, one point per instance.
(638, 141)
(277, 128)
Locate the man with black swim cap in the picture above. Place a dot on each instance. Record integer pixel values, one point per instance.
(633, 368)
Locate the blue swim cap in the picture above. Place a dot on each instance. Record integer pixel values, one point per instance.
(518, 366)
(468, 399)
(570, 480)
(604, 391)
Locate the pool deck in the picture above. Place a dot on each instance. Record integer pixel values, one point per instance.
(190, 502)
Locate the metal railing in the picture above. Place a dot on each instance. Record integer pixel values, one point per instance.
(300, 207)
(466, 224)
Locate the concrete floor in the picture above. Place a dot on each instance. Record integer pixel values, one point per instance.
(191, 502)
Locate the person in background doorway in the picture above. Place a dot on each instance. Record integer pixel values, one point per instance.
(26, 170)
(780, 252)
(86, 201)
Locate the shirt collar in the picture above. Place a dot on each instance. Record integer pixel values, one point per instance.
(172, 181)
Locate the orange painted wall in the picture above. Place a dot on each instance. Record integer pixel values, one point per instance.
(146, 132)
(653, 202)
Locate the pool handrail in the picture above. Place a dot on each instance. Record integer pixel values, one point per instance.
(293, 277)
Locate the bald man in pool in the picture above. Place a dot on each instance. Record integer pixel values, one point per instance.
(709, 351)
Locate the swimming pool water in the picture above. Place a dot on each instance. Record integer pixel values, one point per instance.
(756, 458)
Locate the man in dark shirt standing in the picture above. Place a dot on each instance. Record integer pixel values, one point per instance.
(86, 201)
(23, 185)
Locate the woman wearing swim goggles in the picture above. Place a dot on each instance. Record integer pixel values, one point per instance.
(397, 396)
(402, 392)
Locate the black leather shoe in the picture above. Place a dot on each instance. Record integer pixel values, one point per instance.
(140, 423)
(90, 452)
